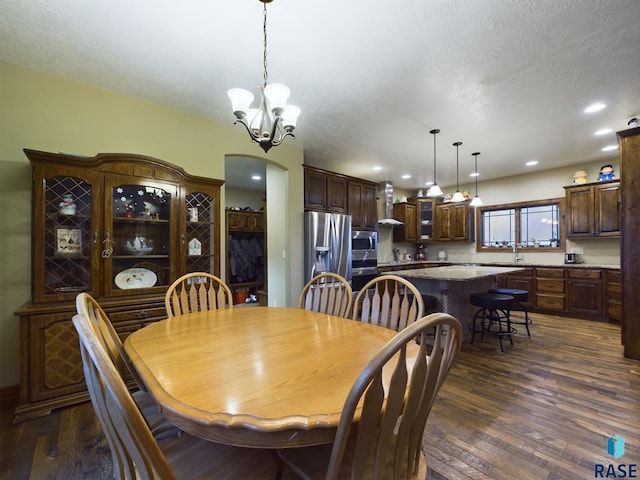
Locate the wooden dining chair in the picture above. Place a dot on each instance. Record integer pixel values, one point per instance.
(327, 293)
(136, 452)
(196, 292)
(390, 301)
(87, 306)
(382, 423)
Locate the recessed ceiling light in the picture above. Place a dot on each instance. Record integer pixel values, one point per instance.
(406, 176)
(256, 177)
(377, 168)
(474, 174)
(428, 184)
(596, 107)
(604, 131)
(531, 163)
(608, 148)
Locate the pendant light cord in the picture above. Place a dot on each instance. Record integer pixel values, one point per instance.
(264, 30)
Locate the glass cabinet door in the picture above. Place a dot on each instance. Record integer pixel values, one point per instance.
(63, 259)
(138, 237)
(200, 237)
(425, 219)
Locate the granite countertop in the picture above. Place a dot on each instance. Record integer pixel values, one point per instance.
(459, 273)
(428, 263)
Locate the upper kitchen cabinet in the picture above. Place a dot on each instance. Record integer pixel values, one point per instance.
(593, 210)
(326, 191)
(362, 205)
(121, 227)
(454, 222)
(426, 210)
(407, 214)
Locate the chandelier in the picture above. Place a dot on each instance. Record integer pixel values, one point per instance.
(274, 120)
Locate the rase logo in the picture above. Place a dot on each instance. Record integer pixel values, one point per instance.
(615, 448)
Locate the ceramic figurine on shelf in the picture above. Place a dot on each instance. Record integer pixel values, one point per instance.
(606, 173)
(580, 177)
(67, 207)
(130, 213)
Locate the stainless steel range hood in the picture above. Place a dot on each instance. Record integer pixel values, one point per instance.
(385, 191)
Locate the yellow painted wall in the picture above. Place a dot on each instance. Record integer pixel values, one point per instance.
(44, 112)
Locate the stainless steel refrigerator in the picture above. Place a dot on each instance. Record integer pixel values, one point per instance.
(327, 244)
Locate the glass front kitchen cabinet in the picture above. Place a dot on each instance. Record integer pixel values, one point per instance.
(121, 227)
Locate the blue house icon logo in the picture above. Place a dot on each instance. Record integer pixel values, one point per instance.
(615, 446)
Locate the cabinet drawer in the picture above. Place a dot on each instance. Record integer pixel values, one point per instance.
(549, 285)
(613, 276)
(550, 272)
(614, 310)
(614, 290)
(550, 302)
(137, 315)
(584, 274)
(527, 272)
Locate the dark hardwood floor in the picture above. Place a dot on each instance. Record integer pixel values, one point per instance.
(543, 410)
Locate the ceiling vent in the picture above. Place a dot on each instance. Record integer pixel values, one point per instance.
(385, 191)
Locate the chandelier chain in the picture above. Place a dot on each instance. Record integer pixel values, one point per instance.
(264, 31)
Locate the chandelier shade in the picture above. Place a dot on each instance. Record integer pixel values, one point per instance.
(274, 119)
(434, 190)
(476, 202)
(457, 197)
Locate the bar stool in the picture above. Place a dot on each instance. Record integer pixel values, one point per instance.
(493, 315)
(519, 296)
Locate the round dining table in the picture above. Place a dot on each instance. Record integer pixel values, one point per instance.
(265, 377)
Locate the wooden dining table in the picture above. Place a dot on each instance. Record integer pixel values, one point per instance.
(266, 377)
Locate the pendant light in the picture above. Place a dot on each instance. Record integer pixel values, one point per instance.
(434, 191)
(476, 202)
(457, 197)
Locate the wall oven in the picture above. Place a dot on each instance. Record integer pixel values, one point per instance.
(364, 258)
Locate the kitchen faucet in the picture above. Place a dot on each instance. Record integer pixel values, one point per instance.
(516, 256)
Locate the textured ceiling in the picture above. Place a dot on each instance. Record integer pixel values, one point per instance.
(508, 78)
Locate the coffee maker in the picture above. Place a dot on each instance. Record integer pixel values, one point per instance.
(421, 252)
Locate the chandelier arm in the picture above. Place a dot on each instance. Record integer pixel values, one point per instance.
(248, 128)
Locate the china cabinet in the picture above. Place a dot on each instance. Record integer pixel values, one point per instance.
(119, 226)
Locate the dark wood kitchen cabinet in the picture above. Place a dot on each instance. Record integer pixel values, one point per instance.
(613, 295)
(119, 226)
(584, 290)
(326, 191)
(593, 210)
(522, 280)
(454, 222)
(407, 214)
(362, 205)
(550, 289)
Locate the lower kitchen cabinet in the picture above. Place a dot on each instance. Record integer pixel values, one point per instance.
(550, 289)
(584, 290)
(613, 289)
(521, 280)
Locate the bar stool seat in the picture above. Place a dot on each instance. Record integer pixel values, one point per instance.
(493, 316)
(519, 297)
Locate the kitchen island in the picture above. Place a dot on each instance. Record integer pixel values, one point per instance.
(453, 284)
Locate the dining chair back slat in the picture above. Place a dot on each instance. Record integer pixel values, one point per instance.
(327, 293)
(390, 417)
(197, 291)
(137, 453)
(390, 301)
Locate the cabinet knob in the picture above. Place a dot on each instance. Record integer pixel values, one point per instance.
(142, 314)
